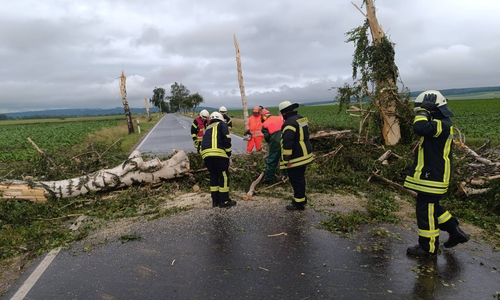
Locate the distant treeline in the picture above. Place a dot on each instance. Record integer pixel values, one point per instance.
(461, 91)
(71, 113)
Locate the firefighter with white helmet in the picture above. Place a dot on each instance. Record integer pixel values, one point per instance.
(431, 172)
(198, 128)
(215, 151)
(227, 119)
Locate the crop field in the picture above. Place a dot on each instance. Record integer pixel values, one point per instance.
(477, 119)
(49, 135)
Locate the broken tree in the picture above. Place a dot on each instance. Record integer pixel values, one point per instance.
(240, 81)
(375, 61)
(126, 108)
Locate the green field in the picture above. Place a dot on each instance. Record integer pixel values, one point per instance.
(477, 119)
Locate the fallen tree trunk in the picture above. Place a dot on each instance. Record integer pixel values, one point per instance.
(132, 171)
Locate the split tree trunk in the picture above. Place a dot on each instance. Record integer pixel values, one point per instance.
(387, 87)
(126, 108)
(132, 171)
(240, 81)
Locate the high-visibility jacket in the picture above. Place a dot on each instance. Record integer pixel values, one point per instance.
(216, 141)
(296, 149)
(432, 165)
(271, 128)
(255, 126)
(198, 128)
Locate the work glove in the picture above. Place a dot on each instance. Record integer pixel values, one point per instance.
(429, 102)
(228, 154)
(196, 144)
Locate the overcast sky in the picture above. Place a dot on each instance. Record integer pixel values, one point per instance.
(70, 54)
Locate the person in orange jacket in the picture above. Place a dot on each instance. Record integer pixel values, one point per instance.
(255, 129)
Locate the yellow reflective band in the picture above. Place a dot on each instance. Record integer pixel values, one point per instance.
(447, 162)
(225, 188)
(193, 135)
(430, 217)
(287, 151)
(439, 128)
(444, 217)
(228, 150)
(430, 183)
(214, 188)
(428, 233)
(419, 118)
(298, 200)
(289, 127)
(228, 136)
(420, 188)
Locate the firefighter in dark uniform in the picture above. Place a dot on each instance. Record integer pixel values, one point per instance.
(227, 119)
(296, 152)
(198, 128)
(215, 151)
(430, 174)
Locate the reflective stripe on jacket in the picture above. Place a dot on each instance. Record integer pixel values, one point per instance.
(296, 149)
(216, 141)
(432, 165)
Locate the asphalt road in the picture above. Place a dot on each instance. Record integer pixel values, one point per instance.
(258, 250)
(174, 132)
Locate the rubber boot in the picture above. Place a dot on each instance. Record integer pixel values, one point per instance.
(457, 236)
(297, 205)
(215, 199)
(419, 252)
(225, 201)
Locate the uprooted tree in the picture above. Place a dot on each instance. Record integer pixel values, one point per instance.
(375, 77)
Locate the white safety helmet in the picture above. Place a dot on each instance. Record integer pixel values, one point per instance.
(287, 104)
(216, 115)
(223, 110)
(204, 113)
(441, 102)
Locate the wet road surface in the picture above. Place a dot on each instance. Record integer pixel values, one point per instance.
(212, 253)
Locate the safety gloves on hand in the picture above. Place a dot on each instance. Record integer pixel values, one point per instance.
(429, 102)
(196, 144)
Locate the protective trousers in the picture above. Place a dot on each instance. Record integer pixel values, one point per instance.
(257, 141)
(272, 163)
(219, 178)
(298, 180)
(432, 217)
